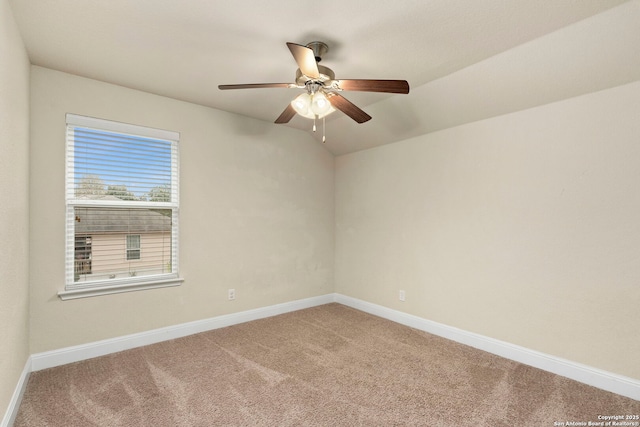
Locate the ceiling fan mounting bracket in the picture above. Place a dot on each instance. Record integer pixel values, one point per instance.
(318, 48)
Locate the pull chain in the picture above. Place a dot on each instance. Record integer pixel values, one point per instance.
(323, 131)
(324, 139)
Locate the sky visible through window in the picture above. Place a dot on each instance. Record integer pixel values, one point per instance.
(127, 166)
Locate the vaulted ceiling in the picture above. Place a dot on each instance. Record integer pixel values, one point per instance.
(464, 59)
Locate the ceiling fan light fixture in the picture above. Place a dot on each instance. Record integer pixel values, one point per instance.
(312, 106)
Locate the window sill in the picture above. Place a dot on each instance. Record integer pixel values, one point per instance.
(117, 289)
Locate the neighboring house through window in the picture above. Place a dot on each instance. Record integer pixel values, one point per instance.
(122, 207)
(82, 255)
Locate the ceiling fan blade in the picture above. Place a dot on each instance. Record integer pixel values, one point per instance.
(347, 107)
(305, 59)
(388, 86)
(286, 115)
(256, 86)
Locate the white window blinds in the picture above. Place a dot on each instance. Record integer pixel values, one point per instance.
(122, 203)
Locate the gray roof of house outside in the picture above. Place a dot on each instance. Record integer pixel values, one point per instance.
(100, 220)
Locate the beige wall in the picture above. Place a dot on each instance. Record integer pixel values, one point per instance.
(14, 207)
(256, 214)
(524, 228)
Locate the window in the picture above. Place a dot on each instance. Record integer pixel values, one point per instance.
(133, 246)
(122, 207)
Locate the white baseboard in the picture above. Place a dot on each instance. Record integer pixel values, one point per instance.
(77, 353)
(16, 399)
(604, 380)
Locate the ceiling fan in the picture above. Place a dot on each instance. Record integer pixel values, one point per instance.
(321, 96)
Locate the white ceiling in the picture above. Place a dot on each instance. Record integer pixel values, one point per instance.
(184, 49)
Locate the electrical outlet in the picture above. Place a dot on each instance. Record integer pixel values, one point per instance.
(231, 294)
(401, 295)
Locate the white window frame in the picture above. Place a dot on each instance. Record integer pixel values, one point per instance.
(74, 289)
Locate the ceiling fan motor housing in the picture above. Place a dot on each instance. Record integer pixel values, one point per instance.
(326, 74)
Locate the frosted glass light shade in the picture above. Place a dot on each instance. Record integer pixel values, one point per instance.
(301, 104)
(320, 105)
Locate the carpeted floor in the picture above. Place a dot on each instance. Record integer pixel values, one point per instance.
(325, 366)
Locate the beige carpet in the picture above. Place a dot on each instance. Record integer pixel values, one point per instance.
(325, 366)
